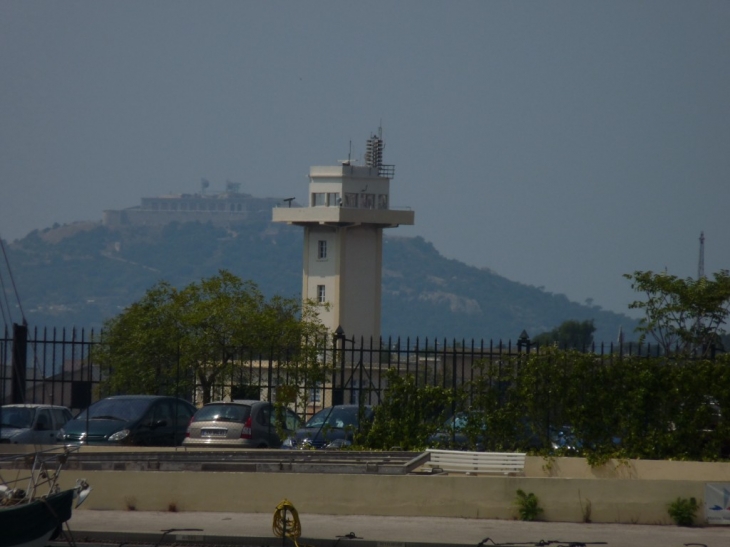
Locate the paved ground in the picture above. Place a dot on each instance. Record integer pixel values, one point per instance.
(256, 529)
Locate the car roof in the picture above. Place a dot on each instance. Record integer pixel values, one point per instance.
(236, 402)
(347, 406)
(142, 397)
(34, 405)
(148, 398)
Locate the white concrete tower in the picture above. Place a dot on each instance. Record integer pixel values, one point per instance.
(349, 205)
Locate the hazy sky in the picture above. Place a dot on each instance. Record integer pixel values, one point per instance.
(560, 144)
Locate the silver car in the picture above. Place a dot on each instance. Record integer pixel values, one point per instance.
(241, 424)
(32, 423)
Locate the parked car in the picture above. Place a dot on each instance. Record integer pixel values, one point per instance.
(32, 423)
(143, 420)
(462, 431)
(565, 440)
(241, 424)
(331, 427)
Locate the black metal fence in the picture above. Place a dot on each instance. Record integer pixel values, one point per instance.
(57, 367)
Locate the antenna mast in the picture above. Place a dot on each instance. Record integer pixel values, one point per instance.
(374, 155)
(701, 264)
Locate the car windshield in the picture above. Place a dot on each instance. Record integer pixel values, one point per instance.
(334, 417)
(126, 410)
(222, 413)
(19, 418)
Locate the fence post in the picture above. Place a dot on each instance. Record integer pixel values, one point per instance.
(338, 343)
(19, 362)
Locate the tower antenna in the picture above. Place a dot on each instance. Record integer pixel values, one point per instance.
(701, 263)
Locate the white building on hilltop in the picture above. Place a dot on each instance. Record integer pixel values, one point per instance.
(349, 206)
(223, 209)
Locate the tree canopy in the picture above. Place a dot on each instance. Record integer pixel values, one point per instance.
(684, 316)
(568, 335)
(175, 340)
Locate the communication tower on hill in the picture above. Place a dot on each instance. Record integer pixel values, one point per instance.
(701, 264)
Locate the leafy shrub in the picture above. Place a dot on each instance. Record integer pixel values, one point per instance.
(408, 414)
(528, 505)
(683, 510)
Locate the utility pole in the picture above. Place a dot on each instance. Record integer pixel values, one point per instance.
(701, 264)
(700, 276)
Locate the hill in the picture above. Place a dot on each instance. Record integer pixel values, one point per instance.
(83, 273)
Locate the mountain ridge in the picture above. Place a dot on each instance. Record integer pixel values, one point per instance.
(79, 274)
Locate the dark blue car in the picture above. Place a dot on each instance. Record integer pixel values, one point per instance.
(140, 420)
(331, 427)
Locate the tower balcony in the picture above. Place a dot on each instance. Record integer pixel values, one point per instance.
(344, 216)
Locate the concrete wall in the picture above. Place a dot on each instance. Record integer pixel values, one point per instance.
(568, 489)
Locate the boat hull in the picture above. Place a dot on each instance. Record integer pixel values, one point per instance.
(32, 524)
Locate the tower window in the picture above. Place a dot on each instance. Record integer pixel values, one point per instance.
(321, 296)
(322, 249)
(367, 201)
(350, 199)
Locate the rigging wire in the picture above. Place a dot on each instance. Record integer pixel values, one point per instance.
(5, 301)
(5, 305)
(15, 289)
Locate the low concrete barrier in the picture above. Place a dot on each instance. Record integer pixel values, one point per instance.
(569, 490)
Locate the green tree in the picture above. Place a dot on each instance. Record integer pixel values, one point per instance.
(174, 339)
(408, 414)
(684, 316)
(568, 335)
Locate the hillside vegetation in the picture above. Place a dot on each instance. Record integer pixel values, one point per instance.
(81, 274)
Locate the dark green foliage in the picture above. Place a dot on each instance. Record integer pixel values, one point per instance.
(649, 408)
(625, 407)
(496, 409)
(683, 511)
(174, 341)
(684, 316)
(407, 414)
(528, 506)
(568, 335)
